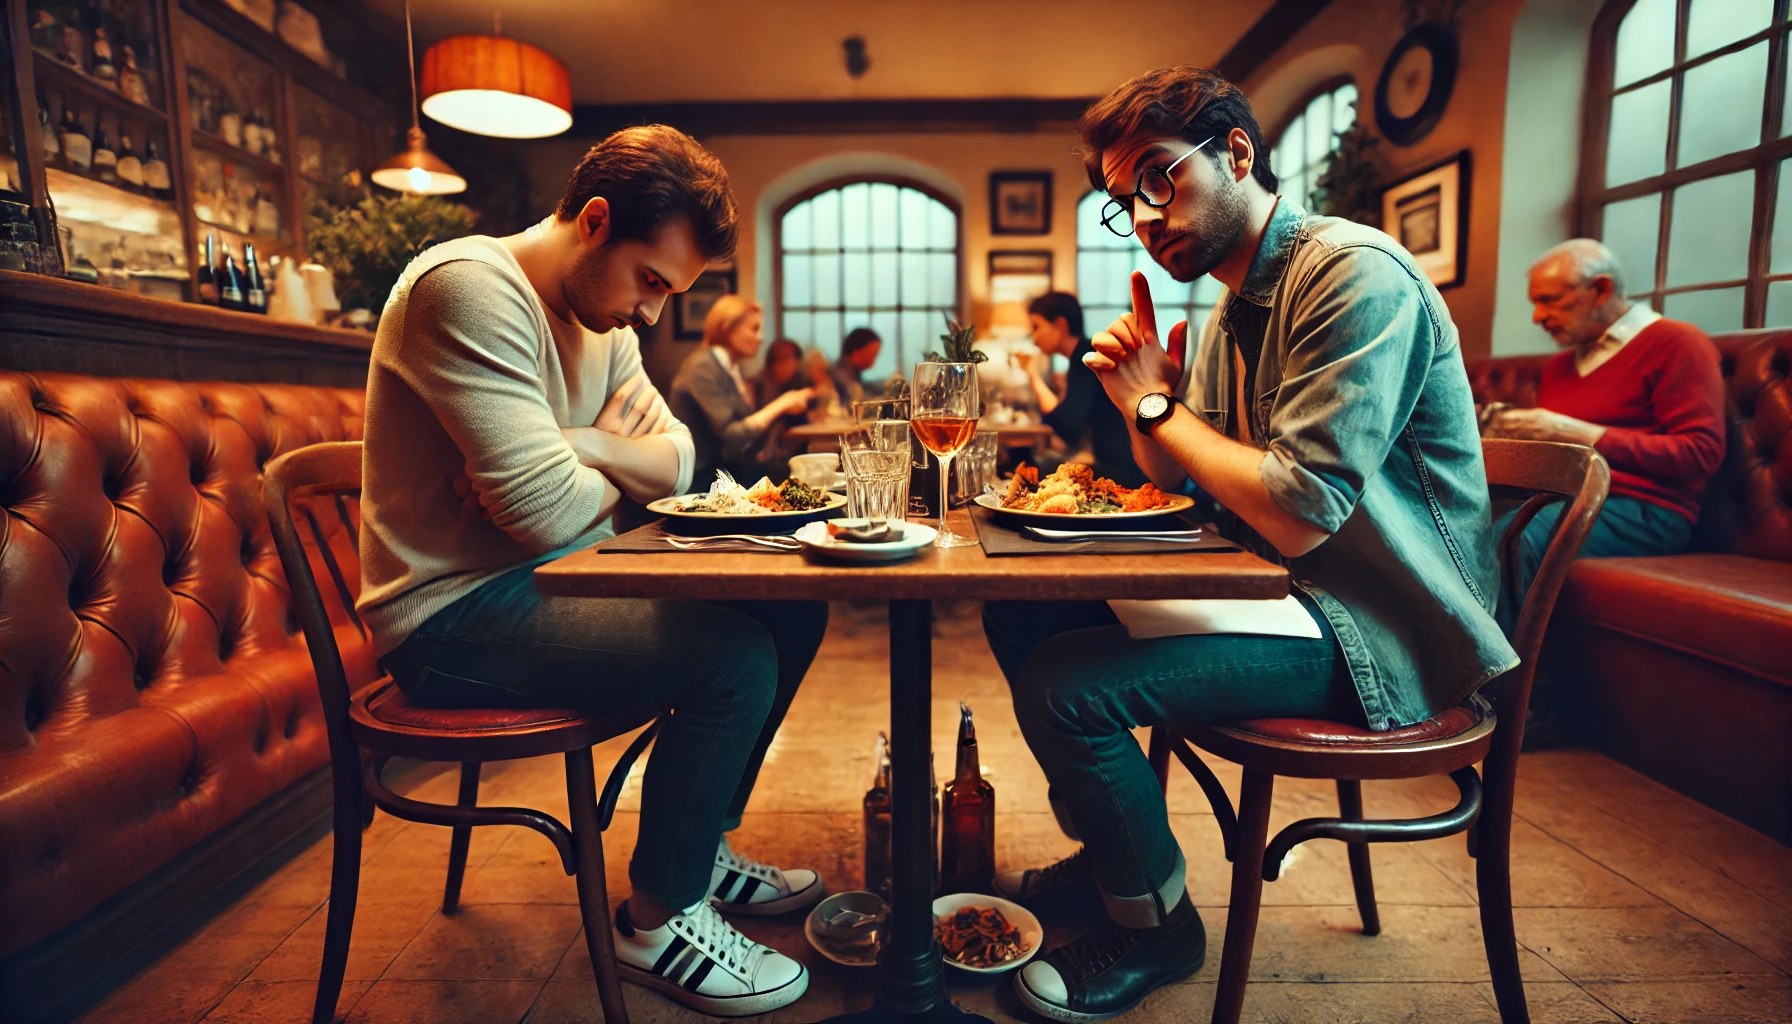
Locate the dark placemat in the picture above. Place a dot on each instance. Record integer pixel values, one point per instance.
(651, 540)
(1001, 536)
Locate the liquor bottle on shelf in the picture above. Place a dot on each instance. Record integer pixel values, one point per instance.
(155, 172)
(255, 292)
(252, 135)
(105, 158)
(207, 291)
(71, 45)
(130, 79)
(968, 814)
(103, 68)
(267, 214)
(130, 168)
(47, 128)
(77, 145)
(877, 824)
(231, 293)
(230, 125)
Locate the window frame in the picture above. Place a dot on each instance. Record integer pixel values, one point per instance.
(1295, 112)
(1188, 308)
(1763, 159)
(832, 184)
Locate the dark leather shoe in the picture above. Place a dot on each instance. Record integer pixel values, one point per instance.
(1108, 972)
(1069, 884)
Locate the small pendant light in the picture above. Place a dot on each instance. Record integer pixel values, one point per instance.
(495, 85)
(417, 170)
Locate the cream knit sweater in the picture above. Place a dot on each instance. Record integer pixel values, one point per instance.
(472, 375)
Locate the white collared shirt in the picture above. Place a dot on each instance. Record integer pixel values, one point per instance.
(1626, 327)
(740, 381)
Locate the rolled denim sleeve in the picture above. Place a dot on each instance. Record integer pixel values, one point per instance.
(1362, 344)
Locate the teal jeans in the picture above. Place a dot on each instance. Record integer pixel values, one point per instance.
(721, 675)
(1081, 684)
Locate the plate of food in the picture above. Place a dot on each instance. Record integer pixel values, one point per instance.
(765, 506)
(1074, 492)
(862, 540)
(985, 934)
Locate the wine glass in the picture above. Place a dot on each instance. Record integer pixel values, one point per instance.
(944, 416)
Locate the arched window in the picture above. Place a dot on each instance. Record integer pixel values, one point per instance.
(1104, 266)
(877, 254)
(1299, 156)
(1682, 171)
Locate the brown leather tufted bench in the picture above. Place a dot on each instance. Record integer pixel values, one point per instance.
(1685, 662)
(153, 684)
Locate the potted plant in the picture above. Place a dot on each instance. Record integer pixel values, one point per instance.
(944, 409)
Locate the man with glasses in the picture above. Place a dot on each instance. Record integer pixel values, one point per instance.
(1327, 411)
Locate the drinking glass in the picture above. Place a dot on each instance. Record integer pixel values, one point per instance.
(976, 466)
(876, 484)
(944, 406)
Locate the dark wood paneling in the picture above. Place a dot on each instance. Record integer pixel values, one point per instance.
(1268, 34)
(835, 117)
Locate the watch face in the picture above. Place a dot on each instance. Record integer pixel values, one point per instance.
(1153, 406)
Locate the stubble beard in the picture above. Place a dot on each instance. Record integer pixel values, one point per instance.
(584, 291)
(1216, 231)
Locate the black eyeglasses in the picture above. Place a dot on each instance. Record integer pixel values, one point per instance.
(1154, 187)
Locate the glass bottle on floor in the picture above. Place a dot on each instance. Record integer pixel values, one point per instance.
(968, 841)
(877, 824)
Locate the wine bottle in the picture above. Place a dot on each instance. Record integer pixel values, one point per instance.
(77, 147)
(968, 841)
(130, 168)
(230, 284)
(105, 158)
(103, 68)
(877, 823)
(255, 293)
(208, 275)
(155, 172)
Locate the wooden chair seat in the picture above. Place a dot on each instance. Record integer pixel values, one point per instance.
(1312, 748)
(385, 721)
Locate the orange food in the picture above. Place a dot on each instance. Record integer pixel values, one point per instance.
(980, 937)
(1074, 488)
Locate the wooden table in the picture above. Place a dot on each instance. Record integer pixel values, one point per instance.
(911, 986)
(825, 436)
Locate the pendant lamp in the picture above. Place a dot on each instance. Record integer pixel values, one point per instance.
(417, 170)
(495, 85)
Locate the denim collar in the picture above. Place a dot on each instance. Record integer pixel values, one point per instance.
(1279, 236)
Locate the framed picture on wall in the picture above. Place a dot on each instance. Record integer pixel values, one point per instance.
(1020, 203)
(1428, 214)
(690, 307)
(1019, 275)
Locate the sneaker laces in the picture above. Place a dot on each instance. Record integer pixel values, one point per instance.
(1096, 951)
(1051, 876)
(712, 934)
(726, 857)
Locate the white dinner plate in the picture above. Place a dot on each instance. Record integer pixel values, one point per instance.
(993, 502)
(776, 520)
(815, 539)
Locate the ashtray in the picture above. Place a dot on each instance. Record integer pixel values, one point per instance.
(845, 927)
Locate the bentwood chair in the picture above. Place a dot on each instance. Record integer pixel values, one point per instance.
(1450, 743)
(380, 720)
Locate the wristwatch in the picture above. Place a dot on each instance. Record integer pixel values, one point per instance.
(1152, 410)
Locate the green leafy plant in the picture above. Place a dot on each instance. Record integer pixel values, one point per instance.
(367, 243)
(1350, 185)
(958, 339)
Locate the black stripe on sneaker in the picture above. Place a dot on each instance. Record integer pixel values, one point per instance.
(747, 889)
(696, 977)
(691, 956)
(678, 946)
(728, 881)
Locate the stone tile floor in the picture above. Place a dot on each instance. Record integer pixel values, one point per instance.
(1633, 903)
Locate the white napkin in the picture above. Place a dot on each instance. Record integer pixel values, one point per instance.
(1147, 620)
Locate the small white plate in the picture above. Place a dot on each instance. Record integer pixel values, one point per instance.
(1031, 931)
(814, 538)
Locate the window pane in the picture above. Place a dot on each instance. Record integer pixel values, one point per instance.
(1319, 129)
(920, 332)
(855, 216)
(1779, 304)
(889, 328)
(942, 227)
(858, 279)
(1720, 107)
(944, 279)
(799, 327)
(827, 334)
(827, 220)
(796, 280)
(1708, 240)
(1715, 23)
(827, 279)
(1713, 311)
(883, 279)
(1632, 233)
(1639, 134)
(1781, 259)
(914, 279)
(914, 218)
(883, 216)
(1344, 108)
(798, 232)
(1645, 40)
(1207, 290)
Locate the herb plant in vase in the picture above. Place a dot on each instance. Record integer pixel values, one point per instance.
(366, 245)
(945, 406)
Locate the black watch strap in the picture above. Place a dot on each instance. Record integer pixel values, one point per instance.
(1153, 409)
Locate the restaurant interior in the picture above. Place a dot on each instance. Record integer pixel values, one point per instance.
(230, 793)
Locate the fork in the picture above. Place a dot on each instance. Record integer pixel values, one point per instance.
(776, 543)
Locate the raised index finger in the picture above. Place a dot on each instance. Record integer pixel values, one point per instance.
(1143, 312)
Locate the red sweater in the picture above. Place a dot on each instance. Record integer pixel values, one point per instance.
(1661, 400)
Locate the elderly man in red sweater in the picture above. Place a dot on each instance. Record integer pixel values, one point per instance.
(1644, 391)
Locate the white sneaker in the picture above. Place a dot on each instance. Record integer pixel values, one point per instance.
(699, 960)
(741, 885)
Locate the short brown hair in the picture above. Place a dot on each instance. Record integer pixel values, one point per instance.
(651, 175)
(1184, 101)
(725, 314)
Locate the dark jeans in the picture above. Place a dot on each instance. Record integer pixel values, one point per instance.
(1625, 527)
(1081, 684)
(726, 672)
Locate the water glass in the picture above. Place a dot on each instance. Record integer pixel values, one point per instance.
(876, 484)
(975, 467)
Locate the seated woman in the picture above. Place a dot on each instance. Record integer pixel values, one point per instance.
(1084, 413)
(782, 372)
(710, 395)
(858, 353)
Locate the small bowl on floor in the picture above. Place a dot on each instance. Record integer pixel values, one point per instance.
(846, 927)
(1032, 933)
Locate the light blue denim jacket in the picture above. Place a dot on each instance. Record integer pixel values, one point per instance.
(1362, 406)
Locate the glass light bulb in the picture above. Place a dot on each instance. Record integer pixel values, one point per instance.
(419, 179)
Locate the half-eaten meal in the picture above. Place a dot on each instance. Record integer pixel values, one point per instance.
(1075, 489)
(726, 497)
(980, 937)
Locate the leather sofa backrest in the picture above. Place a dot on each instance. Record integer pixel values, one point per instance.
(1748, 507)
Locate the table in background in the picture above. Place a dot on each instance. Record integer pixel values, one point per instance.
(910, 972)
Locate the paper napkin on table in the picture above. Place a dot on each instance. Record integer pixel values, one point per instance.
(1147, 620)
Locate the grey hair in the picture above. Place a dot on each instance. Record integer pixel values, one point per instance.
(1590, 259)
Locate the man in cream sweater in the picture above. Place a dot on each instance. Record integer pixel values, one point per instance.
(507, 413)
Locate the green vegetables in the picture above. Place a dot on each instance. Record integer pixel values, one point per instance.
(1101, 506)
(800, 497)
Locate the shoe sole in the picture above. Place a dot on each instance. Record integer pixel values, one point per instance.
(802, 899)
(749, 1005)
(1064, 1013)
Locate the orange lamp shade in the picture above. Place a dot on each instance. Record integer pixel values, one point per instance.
(496, 85)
